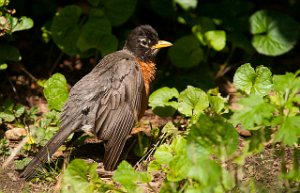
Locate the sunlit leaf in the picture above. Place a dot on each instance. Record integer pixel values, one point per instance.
(162, 103)
(253, 111)
(216, 39)
(273, 33)
(23, 24)
(187, 4)
(56, 91)
(192, 101)
(258, 81)
(289, 129)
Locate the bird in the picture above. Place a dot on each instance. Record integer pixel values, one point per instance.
(109, 100)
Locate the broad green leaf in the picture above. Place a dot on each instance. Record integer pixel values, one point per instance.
(3, 66)
(203, 24)
(161, 101)
(286, 83)
(20, 164)
(217, 102)
(214, 134)
(258, 81)
(216, 39)
(118, 11)
(192, 101)
(23, 24)
(109, 43)
(163, 154)
(187, 4)
(9, 53)
(289, 129)
(7, 117)
(186, 52)
(81, 177)
(91, 32)
(56, 91)
(179, 168)
(129, 178)
(65, 29)
(253, 112)
(19, 110)
(273, 33)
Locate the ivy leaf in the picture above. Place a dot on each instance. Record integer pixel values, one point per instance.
(216, 39)
(19, 110)
(253, 111)
(186, 5)
(273, 33)
(129, 178)
(81, 177)
(161, 101)
(258, 81)
(24, 23)
(179, 168)
(56, 91)
(7, 117)
(192, 101)
(289, 129)
(163, 154)
(118, 11)
(65, 29)
(186, 52)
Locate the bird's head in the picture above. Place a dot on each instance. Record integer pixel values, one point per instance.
(144, 43)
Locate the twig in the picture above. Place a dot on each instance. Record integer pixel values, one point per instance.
(29, 74)
(15, 152)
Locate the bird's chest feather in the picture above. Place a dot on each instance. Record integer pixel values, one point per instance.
(148, 72)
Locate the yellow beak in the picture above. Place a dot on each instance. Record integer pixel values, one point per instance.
(161, 44)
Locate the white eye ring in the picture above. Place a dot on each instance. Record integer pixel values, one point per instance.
(144, 42)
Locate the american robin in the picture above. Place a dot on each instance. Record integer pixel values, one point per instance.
(109, 100)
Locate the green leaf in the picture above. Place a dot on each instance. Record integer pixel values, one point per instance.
(216, 39)
(19, 110)
(7, 117)
(192, 101)
(163, 154)
(274, 33)
(258, 81)
(214, 134)
(186, 52)
(253, 112)
(93, 33)
(118, 11)
(4, 3)
(81, 177)
(129, 178)
(56, 91)
(3, 66)
(161, 101)
(289, 129)
(163, 8)
(187, 4)
(169, 129)
(179, 168)
(9, 53)
(20, 164)
(23, 24)
(65, 29)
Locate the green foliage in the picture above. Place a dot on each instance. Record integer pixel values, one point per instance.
(9, 25)
(56, 91)
(256, 81)
(162, 103)
(274, 33)
(186, 52)
(4, 147)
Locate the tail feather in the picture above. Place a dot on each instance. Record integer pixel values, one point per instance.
(47, 151)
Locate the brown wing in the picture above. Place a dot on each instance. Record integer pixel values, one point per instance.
(108, 102)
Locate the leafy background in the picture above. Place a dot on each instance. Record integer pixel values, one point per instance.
(233, 64)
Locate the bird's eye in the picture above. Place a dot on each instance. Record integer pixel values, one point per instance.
(144, 42)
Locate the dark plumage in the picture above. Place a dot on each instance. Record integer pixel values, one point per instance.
(109, 100)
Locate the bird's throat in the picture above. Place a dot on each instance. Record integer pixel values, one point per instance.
(148, 70)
